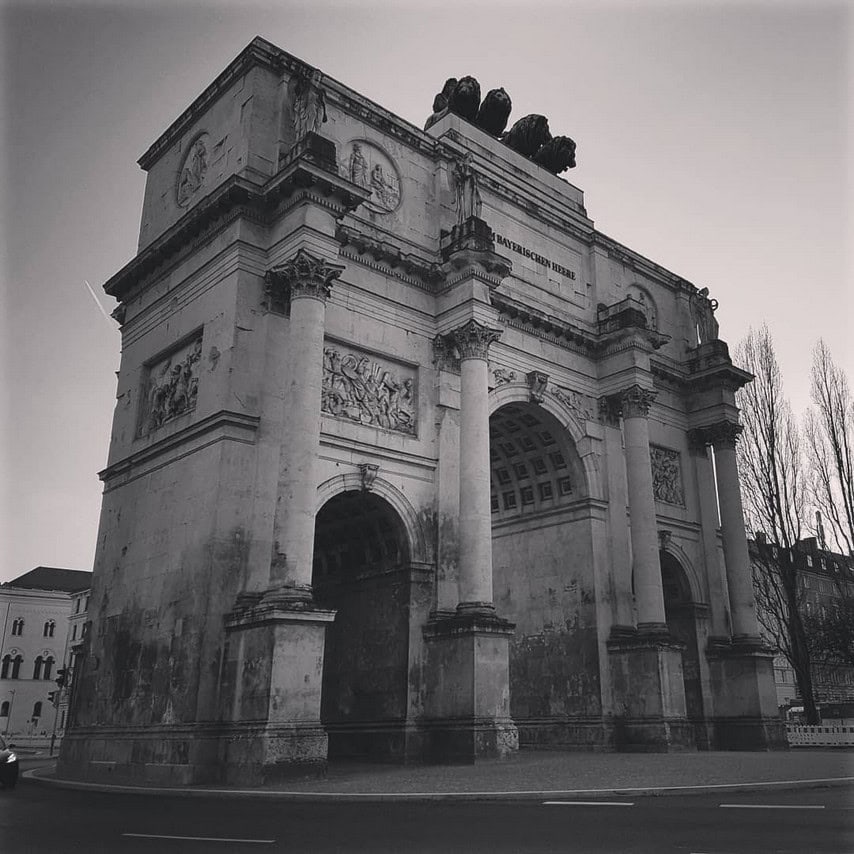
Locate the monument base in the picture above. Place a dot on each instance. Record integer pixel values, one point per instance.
(271, 689)
(649, 691)
(467, 710)
(745, 700)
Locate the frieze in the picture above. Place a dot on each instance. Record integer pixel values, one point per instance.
(371, 168)
(369, 390)
(171, 387)
(666, 475)
(582, 404)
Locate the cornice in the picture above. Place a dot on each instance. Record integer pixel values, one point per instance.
(257, 52)
(302, 178)
(639, 263)
(218, 421)
(560, 332)
(387, 256)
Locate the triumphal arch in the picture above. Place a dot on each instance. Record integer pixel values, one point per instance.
(409, 460)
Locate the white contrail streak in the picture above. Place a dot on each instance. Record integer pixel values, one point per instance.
(98, 302)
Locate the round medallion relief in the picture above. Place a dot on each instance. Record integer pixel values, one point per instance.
(191, 176)
(370, 167)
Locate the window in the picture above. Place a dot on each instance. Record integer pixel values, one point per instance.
(74, 632)
(809, 561)
(49, 628)
(11, 666)
(85, 630)
(48, 665)
(77, 606)
(4, 709)
(17, 627)
(37, 668)
(37, 709)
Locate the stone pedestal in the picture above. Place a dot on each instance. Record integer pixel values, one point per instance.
(467, 705)
(271, 687)
(649, 689)
(745, 701)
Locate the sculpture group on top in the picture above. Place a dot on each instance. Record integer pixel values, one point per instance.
(530, 136)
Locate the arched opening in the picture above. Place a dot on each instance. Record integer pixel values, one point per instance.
(543, 575)
(361, 570)
(680, 613)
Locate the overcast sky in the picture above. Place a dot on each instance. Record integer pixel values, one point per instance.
(712, 138)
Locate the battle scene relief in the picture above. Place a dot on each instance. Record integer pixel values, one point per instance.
(666, 475)
(171, 387)
(368, 390)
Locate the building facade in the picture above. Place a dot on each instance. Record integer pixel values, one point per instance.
(35, 609)
(826, 584)
(409, 461)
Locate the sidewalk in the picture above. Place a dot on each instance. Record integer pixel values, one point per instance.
(532, 774)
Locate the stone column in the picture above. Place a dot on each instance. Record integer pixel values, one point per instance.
(723, 437)
(475, 531)
(649, 596)
(309, 282)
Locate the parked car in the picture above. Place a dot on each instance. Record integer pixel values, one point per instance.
(8, 765)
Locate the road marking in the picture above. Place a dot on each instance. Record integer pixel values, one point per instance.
(198, 838)
(772, 806)
(587, 804)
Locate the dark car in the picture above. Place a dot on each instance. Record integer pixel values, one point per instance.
(8, 766)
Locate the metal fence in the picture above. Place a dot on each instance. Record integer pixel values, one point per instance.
(801, 735)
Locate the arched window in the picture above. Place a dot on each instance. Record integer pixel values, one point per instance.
(17, 661)
(37, 709)
(49, 628)
(4, 670)
(37, 668)
(48, 666)
(18, 626)
(4, 709)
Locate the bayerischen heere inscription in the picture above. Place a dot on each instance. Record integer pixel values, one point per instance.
(368, 389)
(534, 256)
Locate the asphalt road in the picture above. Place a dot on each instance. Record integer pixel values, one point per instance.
(36, 818)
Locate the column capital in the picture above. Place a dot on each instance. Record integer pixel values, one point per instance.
(472, 339)
(304, 275)
(723, 435)
(635, 401)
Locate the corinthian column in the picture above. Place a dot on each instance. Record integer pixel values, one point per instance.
(309, 282)
(649, 596)
(723, 438)
(475, 532)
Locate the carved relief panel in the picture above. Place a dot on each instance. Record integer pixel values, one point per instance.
(370, 167)
(368, 389)
(170, 387)
(666, 475)
(194, 170)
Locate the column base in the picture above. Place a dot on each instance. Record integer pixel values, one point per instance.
(649, 691)
(467, 711)
(743, 695)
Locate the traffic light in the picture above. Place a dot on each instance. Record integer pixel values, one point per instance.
(53, 697)
(61, 677)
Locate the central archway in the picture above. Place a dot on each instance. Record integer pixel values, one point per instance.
(361, 570)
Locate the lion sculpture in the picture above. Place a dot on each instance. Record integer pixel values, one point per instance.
(494, 112)
(465, 98)
(557, 155)
(440, 102)
(528, 135)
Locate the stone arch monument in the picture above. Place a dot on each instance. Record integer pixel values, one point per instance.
(399, 479)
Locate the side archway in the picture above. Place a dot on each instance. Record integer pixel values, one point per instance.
(585, 445)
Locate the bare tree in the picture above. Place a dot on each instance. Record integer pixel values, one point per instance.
(773, 489)
(829, 434)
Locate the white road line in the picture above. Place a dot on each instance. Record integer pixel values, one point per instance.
(198, 838)
(772, 806)
(587, 804)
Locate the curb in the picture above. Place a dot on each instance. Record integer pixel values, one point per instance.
(368, 797)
